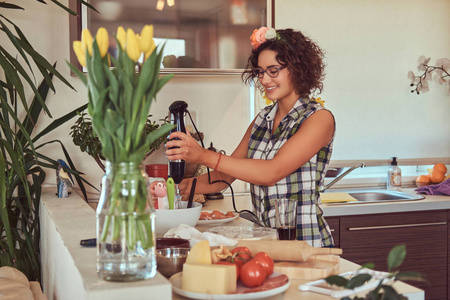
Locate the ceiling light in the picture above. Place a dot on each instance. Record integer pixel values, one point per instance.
(160, 5)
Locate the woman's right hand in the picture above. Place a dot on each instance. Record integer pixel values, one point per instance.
(184, 146)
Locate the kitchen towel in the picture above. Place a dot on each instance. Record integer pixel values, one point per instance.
(442, 188)
(336, 197)
(187, 232)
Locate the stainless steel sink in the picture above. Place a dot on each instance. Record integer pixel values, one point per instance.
(381, 195)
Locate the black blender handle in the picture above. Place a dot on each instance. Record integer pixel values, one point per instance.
(178, 106)
(177, 110)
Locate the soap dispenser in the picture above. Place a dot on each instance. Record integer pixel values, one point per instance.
(394, 180)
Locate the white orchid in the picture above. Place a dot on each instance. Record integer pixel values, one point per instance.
(440, 73)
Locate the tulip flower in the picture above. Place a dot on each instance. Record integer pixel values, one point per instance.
(102, 41)
(119, 96)
(146, 40)
(132, 47)
(81, 56)
(86, 41)
(121, 37)
(149, 52)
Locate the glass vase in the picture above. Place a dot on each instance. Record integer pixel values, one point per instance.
(126, 241)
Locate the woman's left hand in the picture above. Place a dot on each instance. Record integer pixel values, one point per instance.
(184, 146)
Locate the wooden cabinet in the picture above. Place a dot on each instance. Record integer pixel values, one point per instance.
(369, 238)
(333, 222)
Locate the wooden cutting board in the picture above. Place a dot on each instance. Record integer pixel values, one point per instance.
(295, 251)
(316, 267)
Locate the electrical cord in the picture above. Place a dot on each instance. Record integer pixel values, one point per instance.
(221, 181)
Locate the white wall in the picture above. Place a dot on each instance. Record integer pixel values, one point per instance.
(220, 102)
(370, 47)
(366, 87)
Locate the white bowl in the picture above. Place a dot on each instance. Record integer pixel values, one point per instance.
(169, 218)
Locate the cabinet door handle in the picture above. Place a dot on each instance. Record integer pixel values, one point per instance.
(396, 226)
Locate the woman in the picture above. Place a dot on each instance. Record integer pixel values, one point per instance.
(285, 150)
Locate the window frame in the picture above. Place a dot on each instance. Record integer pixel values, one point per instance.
(76, 25)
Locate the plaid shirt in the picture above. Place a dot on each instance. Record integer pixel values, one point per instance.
(302, 185)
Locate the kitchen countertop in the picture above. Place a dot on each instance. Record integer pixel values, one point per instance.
(70, 272)
(243, 202)
(430, 202)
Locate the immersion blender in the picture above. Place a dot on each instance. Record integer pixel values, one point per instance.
(177, 167)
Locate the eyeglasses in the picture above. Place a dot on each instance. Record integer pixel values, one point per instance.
(272, 71)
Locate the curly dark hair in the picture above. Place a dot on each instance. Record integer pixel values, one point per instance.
(302, 57)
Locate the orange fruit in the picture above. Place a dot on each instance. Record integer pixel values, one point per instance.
(440, 168)
(423, 178)
(437, 177)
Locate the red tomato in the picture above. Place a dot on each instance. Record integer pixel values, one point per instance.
(222, 262)
(242, 252)
(266, 261)
(253, 274)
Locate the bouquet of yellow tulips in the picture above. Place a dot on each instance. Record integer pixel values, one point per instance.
(120, 97)
(119, 103)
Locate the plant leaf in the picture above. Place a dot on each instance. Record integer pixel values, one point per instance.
(336, 280)
(358, 280)
(10, 6)
(77, 72)
(4, 210)
(410, 276)
(368, 266)
(396, 257)
(30, 121)
(58, 122)
(14, 41)
(390, 293)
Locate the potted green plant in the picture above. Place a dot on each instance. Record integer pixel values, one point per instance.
(22, 159)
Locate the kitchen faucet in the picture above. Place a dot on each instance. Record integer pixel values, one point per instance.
(323, 188)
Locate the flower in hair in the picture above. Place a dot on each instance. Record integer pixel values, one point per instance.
(271, 33)
(261, 35)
